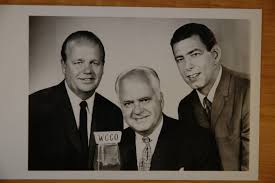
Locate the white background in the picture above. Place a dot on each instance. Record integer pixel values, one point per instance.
(141, 39)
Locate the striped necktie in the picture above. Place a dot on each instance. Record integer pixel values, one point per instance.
(145, 163)
(208, 106)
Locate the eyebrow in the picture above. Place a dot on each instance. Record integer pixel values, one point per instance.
(78, 60)
(188, 53)
(177, 57)
(145, 98)
(127, 101)
(192, 51)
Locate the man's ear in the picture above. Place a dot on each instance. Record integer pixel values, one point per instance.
(161, 100)
(216, 53)
(63, 66)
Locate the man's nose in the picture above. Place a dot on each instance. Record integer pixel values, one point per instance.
(188, 64)
(88, 69)
(137, 108)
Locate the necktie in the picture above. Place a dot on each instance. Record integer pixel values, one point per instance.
(208, 106)
(145, 162)
(83, 131)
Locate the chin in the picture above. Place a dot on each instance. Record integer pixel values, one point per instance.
(195, 85)
(140, 129)
(87, 88)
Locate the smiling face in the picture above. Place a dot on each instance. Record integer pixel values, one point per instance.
(198, 66)
(83, 68)
(141, 105)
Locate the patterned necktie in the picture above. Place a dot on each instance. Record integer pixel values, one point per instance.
(83, 131)
(145, 163)
(208, 106)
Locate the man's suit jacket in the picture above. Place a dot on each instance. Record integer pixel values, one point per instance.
(54, 141)
(229, 118)
(176, 148)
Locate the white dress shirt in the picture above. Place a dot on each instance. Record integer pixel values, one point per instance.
(212, 91)
(140, 145)
(75, 101)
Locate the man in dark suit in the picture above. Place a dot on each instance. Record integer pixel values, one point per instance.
(220, 99)
(153, 140)
(62, 118)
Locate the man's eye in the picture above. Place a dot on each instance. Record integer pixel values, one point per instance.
(195, 54)
(96, 62)
(145, 100)
(77, 62)
(127, 104)
(179, 59)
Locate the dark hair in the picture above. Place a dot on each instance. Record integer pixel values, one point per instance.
(82, 35)
(205, 34)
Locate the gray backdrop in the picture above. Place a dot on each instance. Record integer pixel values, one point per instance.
(130, 42)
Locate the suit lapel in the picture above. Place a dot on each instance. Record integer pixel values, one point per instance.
(132, 154)
(129, 151)
(199, 112)
(221, 96)
(165, 155)
(160, 149)
(68, 117)
(94, 127)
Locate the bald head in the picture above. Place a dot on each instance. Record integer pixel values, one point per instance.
(143, 74)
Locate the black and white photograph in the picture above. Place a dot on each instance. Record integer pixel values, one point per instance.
(134, 93)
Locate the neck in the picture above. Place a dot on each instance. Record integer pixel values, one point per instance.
(205, 90)
(85, 96)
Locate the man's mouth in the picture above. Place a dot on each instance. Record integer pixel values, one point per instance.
(193, 76)
(87, 79)
(140, 118)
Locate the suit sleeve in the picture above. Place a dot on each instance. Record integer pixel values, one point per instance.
(184, 111)
(208, 154)
(245, 130)
(33, 135)
(180, 111)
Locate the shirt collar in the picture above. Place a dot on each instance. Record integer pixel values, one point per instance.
(212, 91)
(75, 100)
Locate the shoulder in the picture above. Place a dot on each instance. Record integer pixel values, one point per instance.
(44, 104)
(188, 99)
(240, 79)
(108, 114)
(104, 102)
(172, 126)
(46, 95)
(107, 108)
(128, 135)
(168, 121)
(128, 132)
